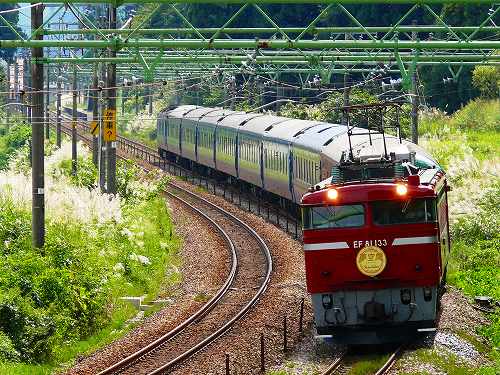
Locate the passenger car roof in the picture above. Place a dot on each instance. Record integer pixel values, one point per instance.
(238, 119)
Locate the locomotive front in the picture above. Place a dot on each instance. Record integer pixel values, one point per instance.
(376, 244)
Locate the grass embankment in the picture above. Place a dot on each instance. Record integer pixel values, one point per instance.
(467, 145)
(64, 299)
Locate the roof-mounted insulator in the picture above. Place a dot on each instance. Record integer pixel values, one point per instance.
(336, 175)
(399, 170)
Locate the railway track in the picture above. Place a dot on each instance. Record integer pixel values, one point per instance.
(247, 201)
(338, 365)
(247, 281)
(145, 357)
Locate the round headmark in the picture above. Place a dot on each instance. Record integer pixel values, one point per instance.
(371, 260)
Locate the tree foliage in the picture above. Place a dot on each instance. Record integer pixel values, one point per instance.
(487, 80)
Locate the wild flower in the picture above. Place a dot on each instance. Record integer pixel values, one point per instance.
(140, 258)
(119, 267)
(63, 200)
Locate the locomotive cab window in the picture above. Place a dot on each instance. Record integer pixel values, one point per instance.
(422, 210)
(333, 216)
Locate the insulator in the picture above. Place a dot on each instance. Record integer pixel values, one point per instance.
(396, 83)
(386, 87)
(399, 171)
(336, 175)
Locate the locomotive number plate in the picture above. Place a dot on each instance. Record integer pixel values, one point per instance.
(371, 260)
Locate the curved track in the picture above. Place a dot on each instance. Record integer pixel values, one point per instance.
(337, 366)
(249, 277)
(274, 214)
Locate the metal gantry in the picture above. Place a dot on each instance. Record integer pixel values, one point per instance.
(268, 50)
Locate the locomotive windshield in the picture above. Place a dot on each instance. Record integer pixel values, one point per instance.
(421, 210)
(333, 216)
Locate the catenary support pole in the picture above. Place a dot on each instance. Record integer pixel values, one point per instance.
(58, 107)
(46, 107)
(414, 98)
(7, 108)
(100, 156)
(95, 112)
(150, 100)
(16, 84)
(74, 118)
(111, 85)
(37, 142)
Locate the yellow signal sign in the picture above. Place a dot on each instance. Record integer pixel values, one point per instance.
(94, 128)
(109, 125)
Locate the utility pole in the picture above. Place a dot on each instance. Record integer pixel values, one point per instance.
(58, 108)
(73, 126)
(150, 98)
(111, 85)
(414, 96)
(136, 100)
(123, 99)
(47, 101)
(100, 156)
(95, 115)
(16, 83)
(102, 106)
(7, 108)
(37, 145)
(26, 95)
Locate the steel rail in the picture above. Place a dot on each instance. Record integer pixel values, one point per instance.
(219, 332)
(336, 365)
(206, 308)
(244, 310)
(390, 361)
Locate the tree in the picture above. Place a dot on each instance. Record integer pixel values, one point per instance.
(487, 80)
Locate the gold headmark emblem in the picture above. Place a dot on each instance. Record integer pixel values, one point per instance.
(371, 260)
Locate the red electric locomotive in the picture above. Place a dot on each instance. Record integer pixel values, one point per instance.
(376, 244)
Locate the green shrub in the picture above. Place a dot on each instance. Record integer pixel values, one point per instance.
(7, 350)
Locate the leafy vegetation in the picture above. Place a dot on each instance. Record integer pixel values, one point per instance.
(487, 80)
(467, 144)
(64, 299)
(10, 141)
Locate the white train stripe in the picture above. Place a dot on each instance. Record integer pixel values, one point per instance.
(326, 246)
(414, 240)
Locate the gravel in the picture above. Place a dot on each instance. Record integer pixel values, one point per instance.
(457, 315)
(283, 298)
(205, 264)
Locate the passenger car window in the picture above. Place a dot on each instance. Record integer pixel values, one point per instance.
(333, 216)
(420, 210)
